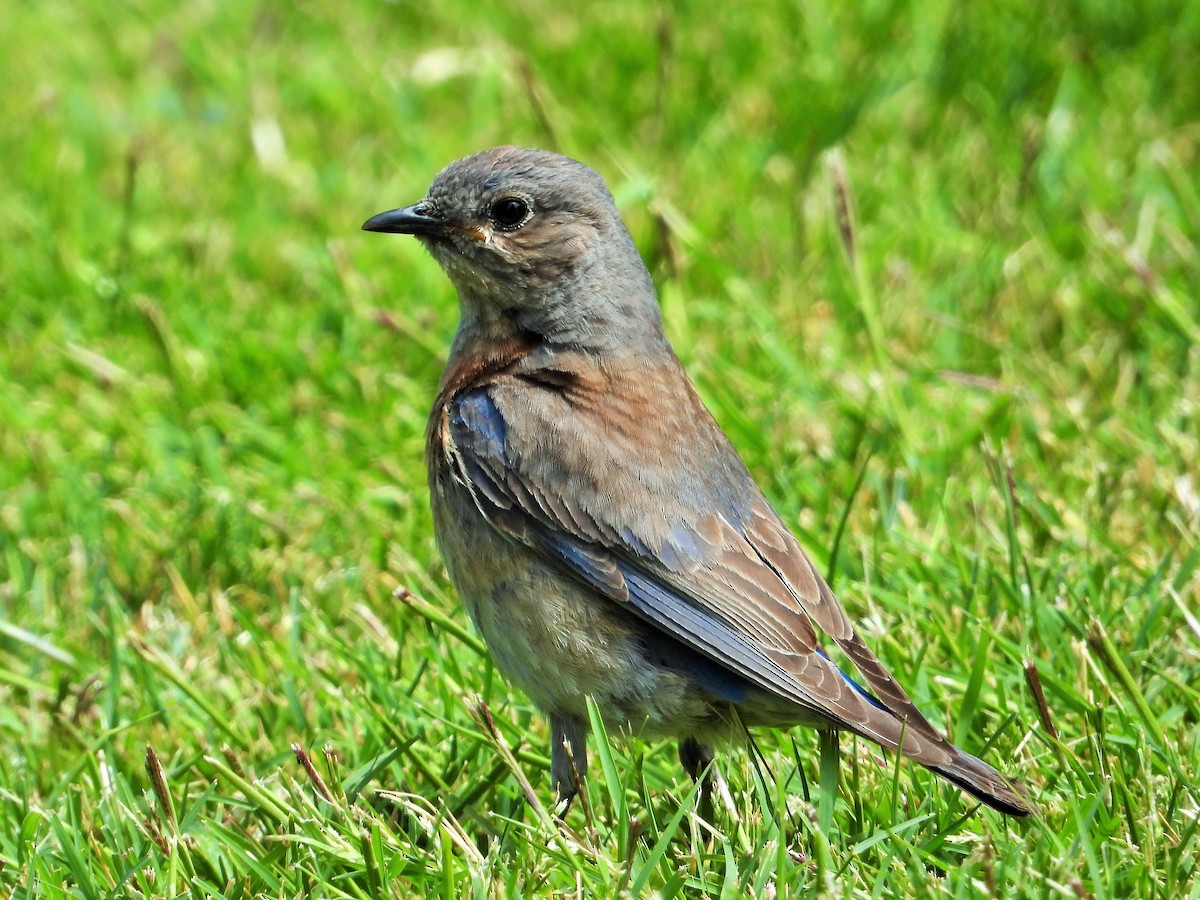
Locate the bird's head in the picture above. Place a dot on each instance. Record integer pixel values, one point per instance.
(534, 237)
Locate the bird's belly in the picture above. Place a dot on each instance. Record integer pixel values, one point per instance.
(559, 641)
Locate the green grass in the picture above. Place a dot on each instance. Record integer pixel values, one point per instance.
(934, 266)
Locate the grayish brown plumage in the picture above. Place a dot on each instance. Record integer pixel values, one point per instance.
(604, 534)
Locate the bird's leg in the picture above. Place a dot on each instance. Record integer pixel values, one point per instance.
(568, 758)
(696, 759)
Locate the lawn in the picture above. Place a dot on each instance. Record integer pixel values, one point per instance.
(934, 266)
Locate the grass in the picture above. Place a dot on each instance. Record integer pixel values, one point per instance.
(934, 267)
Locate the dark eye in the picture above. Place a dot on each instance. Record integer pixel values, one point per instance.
(510, 213)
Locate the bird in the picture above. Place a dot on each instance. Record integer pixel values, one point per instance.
(605, 536)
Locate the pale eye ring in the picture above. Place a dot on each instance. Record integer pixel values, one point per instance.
(509, 213)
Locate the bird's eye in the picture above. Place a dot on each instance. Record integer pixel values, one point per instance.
(510, 213)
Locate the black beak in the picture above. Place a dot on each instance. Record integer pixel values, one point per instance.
(413, 219)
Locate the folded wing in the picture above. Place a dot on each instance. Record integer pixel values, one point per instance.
(725, 578)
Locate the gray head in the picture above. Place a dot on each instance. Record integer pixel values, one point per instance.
(534, 238)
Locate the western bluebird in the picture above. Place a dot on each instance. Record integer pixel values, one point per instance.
(604, 534)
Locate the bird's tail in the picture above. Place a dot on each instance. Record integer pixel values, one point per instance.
(985, 784)
(917, 739)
